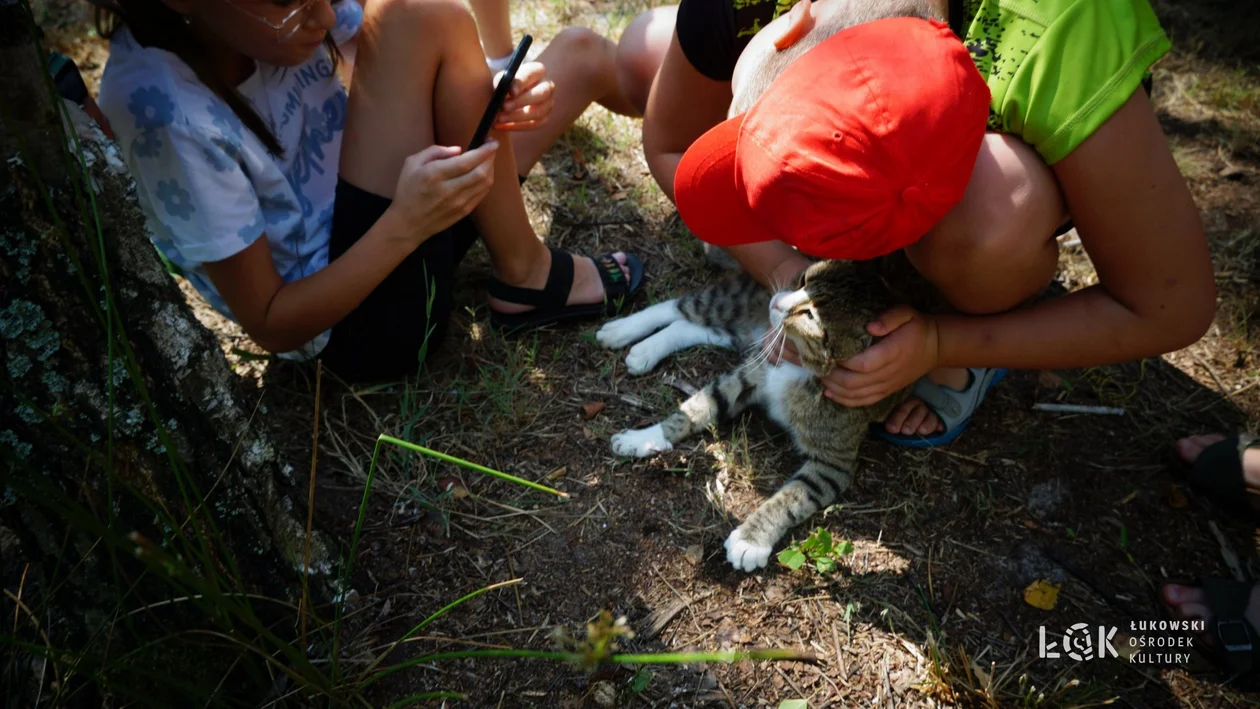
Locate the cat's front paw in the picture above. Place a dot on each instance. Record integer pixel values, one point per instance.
(643, 357)
(618, 333)
(641, 443)
(745, 553)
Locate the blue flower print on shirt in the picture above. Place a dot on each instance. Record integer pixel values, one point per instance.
(276, 208)
(177, 200)
(224, 119)
(148, 144)
(252, 230)
(151, 107)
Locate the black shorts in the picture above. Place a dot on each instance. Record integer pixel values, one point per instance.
(395, 327)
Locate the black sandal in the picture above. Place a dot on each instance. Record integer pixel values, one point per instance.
(1218, 474)
(1235, 647)
(549, 302)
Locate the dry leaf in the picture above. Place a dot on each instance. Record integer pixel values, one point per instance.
(591, 409)
(1049, 380)
(1042, 594)
(694, 554)
(618, 195)
(558, 473)
(587, 433)
(1176, 498)
(455, 485)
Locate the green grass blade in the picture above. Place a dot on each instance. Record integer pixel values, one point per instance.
(471, 466)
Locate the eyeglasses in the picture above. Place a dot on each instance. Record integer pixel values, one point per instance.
(283, 32)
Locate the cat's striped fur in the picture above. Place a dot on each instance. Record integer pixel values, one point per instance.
(826, 318)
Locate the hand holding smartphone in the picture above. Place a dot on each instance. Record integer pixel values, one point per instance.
(500, 93)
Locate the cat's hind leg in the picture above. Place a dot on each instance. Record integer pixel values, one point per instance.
(680, 335)
(815, 486)
(719, 400)
(620, 332)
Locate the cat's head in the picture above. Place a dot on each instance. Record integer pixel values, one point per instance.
(826, 314)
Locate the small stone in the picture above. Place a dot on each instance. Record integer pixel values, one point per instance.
(1047, 379)
(1045, 499)
(694, 554)
(591, 409)
(604, 694)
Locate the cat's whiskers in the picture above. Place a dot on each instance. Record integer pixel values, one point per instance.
(773, 343)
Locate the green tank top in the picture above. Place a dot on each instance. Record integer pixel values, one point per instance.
(1058, 69)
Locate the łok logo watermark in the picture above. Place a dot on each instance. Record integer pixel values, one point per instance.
(1147, 642)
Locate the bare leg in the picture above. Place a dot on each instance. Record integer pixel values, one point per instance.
(640, 52)
(421, 77)
(993, 251)
(1190, 601)
(583, 66)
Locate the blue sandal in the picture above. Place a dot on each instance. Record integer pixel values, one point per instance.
(953, 407)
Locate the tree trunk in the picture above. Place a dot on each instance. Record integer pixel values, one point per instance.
(138, 498)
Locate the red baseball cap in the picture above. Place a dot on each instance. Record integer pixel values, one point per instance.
(857, 149)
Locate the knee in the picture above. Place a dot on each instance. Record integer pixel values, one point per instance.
(589, 50)
(996, 248)
(640, 51)
(422, 18)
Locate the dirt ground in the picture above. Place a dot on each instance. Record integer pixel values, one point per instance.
(928, 609)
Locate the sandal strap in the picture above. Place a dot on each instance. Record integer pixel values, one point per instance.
(615, 282)
(950, 405)
(1218, 470)
(1228, 599)
(554, 294)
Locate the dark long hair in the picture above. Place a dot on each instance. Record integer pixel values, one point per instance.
(153, 24)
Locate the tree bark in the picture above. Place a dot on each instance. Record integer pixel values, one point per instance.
(121, 455)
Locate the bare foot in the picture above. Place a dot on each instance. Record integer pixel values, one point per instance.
(587, 286)
(1190, 603)
(1190, 447)
(914, 417)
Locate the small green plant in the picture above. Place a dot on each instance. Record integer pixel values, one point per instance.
(818, 549)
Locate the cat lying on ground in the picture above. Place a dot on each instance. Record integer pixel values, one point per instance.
(826, 318)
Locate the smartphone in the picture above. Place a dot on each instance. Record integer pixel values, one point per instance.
(500, 93)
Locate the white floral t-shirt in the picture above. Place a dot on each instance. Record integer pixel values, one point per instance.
(206, 183)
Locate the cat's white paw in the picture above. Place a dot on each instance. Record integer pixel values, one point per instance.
(641, 443)
(643, 357)
(618, 333)
(745, 554)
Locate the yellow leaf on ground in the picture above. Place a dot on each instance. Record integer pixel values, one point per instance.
(1042, 594)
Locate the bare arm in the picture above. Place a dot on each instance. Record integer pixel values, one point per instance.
(681, 106)
(437, 187)
(494, 24)
(1140, 226)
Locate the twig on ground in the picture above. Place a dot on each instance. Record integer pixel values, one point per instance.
(631, 400)
(1212, 372)
(1079, 409)
(660, 617)
(1227, 552)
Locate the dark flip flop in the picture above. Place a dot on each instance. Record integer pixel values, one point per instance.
(1235, 647)
(1218, 474)
(549, 302)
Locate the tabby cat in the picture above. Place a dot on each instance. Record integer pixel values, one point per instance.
(825, 317)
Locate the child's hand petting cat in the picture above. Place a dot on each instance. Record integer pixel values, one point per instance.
(908, 350)
(530, 100)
